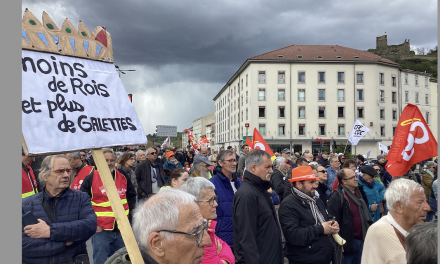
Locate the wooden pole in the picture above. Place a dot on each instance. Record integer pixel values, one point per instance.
(118, 209)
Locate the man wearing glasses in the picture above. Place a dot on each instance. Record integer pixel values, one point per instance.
(149, 175)
(226, 185)
(201, 166)
(107, 233)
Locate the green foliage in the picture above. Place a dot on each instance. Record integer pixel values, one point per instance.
(154, 140)
(340, 149)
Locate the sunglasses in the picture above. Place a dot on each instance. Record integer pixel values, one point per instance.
(323, 171)
(62, 171)
(153, 153)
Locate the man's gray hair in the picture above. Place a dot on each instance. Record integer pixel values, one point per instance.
(46, 167)
(213, 157)
(278, 161)
(195, 185)
(333, 159)
(256, 157)
(148, 151)
(401, 190)
(430, 164)
(421, 244)
(108, 150)
(138, 152)
(161, 211)
(223, 154)
(75, 154)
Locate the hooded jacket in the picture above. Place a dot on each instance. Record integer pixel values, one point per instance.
(257, 234)
(225, 193)
(374, 192)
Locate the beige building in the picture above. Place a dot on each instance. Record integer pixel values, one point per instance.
(433, 84)
(299, 93)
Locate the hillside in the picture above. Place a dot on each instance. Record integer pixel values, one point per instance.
(154, 140)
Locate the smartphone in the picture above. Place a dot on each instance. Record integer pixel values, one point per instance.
(28, 219)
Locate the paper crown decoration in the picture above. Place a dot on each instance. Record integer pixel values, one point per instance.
(48, 37)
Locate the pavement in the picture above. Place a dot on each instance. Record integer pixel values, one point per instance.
(90, 250)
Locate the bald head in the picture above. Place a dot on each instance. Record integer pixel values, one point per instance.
(204, 151)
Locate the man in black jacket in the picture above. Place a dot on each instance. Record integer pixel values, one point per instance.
(349, 204)
(149, 175)
(256, 232)
(305, 222)
(323, 160)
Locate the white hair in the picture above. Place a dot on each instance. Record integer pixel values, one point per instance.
(314, 163)
(161, 211)
(108, 150)
(401, 190)
(278, 162)
(194, 186)
(137, 153)
(256, 157)
(46, 167)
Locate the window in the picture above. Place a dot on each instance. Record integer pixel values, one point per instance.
(426, 82)
(393, 97)
(322, 129)
(262, 129)
(417, 98)
(416, 80)
(427, 118)
(302, 112)
(241, 116)
(262, 111)
(242, 100)
(262, 77)
(381, 79)
(281, 77)
(238, 90)
(393, 80)
(246, 80)
(301, 95)
(341, 77)
(406, 96)
(360, 94)
(281, 112)
(246, 97)
(234, 90)
(360, 112)
(427, 99)
(238, 102)
(302, 129)
(394, 114)
(321, 94)
(340, 111)
(321, 77)
(360, 78)
(301, 77)
(341, 130)
(242, 84)
(382, 130)
(281, 131)
(406, 78)
(382, 113)
(321, 112)
(246, 114)
(381, 96)
(281, 95)
(340, 95)
(261, 95)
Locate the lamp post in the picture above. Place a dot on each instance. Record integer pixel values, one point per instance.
(121, 71)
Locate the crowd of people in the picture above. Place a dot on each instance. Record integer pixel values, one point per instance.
(229, 206)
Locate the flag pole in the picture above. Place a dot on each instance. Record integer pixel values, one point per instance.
(345, 146)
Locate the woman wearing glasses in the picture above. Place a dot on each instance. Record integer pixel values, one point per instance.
(322, 187)
(219, 252)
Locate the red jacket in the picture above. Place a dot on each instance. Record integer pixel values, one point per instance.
(211, 255)
(28, 183)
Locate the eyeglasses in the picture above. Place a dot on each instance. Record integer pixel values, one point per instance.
(377, 169)
(62, 171)
(110, 160)
(153, 153)
(232, 160)
(210, 201)
(351, 178)
(198, 235)
(323, 171)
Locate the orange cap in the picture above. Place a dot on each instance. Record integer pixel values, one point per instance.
(169, 154)
(303, 173)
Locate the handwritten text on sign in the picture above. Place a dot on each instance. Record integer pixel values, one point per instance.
(71, 103)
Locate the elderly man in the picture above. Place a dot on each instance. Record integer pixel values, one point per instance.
(331, 173)
(407, 206)
(203, 151)
(308, 156)
(149, 175)
(305, 222)
(241, 160)
(169, 229)
(279, 176)
(80, 169)
(257, 233)
(226, 185)
(201, 167)
(28, 180)
(107, 232)
(421, 244)
(140, 157)
(64, 224)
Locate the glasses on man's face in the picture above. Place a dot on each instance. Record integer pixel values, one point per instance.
(83, 155)
(378, 170)
(323, 171)
(62, 171)
(198, 235)
(210, 201)
(110, 160)
(232, 161)
(351, 178)
(153, 153)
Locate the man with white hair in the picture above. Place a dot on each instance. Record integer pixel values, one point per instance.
(201, 166)
(385, 240)
(169, 229)
(140, 157)
(279, 176)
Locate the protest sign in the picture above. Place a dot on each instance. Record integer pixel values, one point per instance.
(358, 132)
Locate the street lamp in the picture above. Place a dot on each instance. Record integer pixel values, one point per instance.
(121, 71)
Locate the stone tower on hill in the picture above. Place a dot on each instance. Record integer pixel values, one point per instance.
(401, 50)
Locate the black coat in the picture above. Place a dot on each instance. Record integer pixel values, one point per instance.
(342, 213)
(180, 157)
(143, 177)
(287, 188)
(277, 180)
(324, 163)
(322, 189)
(256, 232)
(305, 241)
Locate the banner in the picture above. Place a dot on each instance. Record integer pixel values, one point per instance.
(71, 103)
(358, 132)
(163, 144)
(383, 148)
(412, 142)
(203, 141)
(193, 141)
(260, 143)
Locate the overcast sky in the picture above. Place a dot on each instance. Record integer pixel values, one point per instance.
(184, 51)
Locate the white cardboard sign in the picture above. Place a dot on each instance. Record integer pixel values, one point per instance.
(71, 103)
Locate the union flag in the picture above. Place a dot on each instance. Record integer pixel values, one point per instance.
(259, 143)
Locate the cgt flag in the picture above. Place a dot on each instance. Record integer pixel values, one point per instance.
(412, 142)
(358, 132)
(203, 141)
(193, 140)
(260, 143)
(250, 143)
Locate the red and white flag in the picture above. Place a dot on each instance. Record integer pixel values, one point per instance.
(413, 142)
(259, 143)
(250, 143)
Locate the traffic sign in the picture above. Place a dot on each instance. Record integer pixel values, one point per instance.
(166, 131)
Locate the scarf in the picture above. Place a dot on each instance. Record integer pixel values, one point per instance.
(430, 173)
(369, 185)
(154, 171)
(313, 206)
(363, 208)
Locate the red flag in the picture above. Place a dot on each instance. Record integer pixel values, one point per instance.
(249, 143)
(192, 139)
(413, 142)
(203, 141)
(259, 143)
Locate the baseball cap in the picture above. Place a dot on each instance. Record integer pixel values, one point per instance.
(286, 150)
(303, 173)
(200, 158)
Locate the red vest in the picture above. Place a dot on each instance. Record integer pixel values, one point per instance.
(26, 185)
(100, 202)
(84, 172)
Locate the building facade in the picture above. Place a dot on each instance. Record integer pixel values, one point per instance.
(185, 138)
(301, 93)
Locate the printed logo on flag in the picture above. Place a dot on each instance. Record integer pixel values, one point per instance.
(102, 190)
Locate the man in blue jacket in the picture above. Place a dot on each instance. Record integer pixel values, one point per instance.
(226, 184)
(76, 222)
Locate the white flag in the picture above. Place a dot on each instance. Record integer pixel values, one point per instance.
(383, 148)
(358, 132)
(368, 153)
(163, 144)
